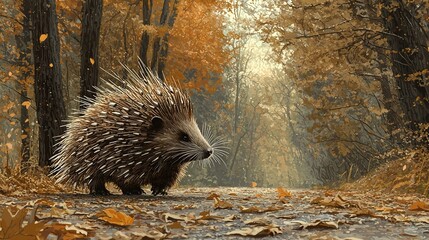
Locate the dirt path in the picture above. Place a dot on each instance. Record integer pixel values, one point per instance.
(222, 213)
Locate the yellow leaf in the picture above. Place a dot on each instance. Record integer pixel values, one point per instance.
(92, 61)
(51, 65)
(419, 206)
(253, 184)
(282, 193)
(26, 104)
(117, 218)
(43, 37)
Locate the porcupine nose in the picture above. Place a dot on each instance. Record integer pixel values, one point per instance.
(208, 152)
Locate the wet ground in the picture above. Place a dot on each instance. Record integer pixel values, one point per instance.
(224, 213)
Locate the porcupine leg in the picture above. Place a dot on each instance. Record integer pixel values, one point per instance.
(160, 186)
(97, 187)
(130, 189)
(159, 189)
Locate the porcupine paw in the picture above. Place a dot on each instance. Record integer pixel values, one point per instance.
(158, 190)
(98, 187)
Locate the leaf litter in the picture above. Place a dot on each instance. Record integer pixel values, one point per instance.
(216, 213)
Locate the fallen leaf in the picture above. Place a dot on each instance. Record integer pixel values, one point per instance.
(362, 212)
(419, 206)
(254, 209)
(253, 184)
(213, 196)
(12, 229)
(282, 193)
(220, 204)
(116, 218)
(257, 231)
(288, 216)
(336, 201)
(230, 218)
(120, 235)
(316, 224)
(181, 207)
(174, 217)
(176, 225)
(258, 222)
(152, 234)
(207, 216)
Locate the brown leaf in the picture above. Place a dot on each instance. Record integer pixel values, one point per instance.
(336, 201)
(363, 212)
(254, 209)
(258, 222)
(207, 216)
(220, 204)
(282, 193)
(316, 224)
(174, 217)
(253, 184)
(419, 206)
(11, 225)
(257, 231)
(149, 235)
(230, 218)
(213, 196)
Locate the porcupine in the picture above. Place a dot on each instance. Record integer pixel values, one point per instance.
(140, 134)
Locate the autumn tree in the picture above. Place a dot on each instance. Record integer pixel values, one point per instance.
(90, 36)
(47, 76)
(338, 86)
(405, 22)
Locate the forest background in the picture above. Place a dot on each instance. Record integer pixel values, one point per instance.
(307, 92)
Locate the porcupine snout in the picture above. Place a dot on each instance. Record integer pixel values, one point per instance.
(208, 152)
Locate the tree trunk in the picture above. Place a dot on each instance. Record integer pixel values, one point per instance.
(23, 42)
(47, 77)
(157, 39)
(144, 45)
(164, 44)
(90, 36)
(409, 57)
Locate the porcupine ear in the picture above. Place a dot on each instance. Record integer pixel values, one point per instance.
(157, 123)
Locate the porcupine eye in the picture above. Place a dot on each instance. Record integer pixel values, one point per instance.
(184, 137)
